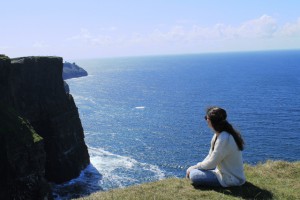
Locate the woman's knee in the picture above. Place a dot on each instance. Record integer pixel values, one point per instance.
(196, 175)
(205, 178)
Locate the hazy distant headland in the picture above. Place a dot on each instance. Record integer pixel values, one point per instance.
(72, 70)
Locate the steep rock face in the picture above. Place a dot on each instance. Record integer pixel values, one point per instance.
(66, 86)
(34, 87)
(22, 159)
(4, 70)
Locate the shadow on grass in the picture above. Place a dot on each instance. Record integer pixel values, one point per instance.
(246, 191)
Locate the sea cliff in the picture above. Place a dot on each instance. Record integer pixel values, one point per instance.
(32, 90)
(72, 70)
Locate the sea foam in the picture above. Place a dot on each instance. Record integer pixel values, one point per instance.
(107, 171)
(140, 107)
(120, 171)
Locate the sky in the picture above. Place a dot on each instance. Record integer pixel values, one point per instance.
(113, 28)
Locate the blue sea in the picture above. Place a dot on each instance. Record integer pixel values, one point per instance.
(143, 117)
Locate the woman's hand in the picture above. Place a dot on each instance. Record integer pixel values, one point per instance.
(187, 174)
(188, 171)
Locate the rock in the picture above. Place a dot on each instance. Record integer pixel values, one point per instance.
(72, 71)
(66, 86)
(22, 159)
(33, 86)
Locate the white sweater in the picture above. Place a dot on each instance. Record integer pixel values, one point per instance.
(226, 159)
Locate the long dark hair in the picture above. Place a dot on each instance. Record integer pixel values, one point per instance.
(218, 119)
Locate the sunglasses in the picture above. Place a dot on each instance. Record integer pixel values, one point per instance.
(205, 117)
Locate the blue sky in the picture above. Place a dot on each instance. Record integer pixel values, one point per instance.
(96, 28)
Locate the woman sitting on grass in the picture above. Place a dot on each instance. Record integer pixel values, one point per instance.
(223, 166)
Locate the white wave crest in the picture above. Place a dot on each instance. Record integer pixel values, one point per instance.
(83, 99)
(140, 107)
(121, 171)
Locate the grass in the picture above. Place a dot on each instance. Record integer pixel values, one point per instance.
(4, 57)
(271, 180)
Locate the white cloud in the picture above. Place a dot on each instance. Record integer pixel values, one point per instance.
(261, 29)
(264, 27)
(291, 29)
(216, 32)
(90, 39)
(252, 32)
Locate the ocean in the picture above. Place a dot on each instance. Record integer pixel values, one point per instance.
(143, 117)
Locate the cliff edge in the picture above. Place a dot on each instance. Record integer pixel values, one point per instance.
(33, 87)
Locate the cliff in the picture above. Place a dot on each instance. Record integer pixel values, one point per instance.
(22, 159)
(34, 88)
(71, 70)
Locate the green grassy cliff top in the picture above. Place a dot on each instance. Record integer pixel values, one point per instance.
(271, 180)
(3, 57)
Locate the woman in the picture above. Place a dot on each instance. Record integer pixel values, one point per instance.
(223, 166)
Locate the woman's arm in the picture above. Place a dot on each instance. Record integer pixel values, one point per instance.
(216, 156)
(206, 158)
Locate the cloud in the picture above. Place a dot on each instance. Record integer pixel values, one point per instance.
(263, 27)
(94, 40)
(290, 29)
(259, 29)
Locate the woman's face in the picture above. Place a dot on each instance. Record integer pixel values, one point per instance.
(208, 122)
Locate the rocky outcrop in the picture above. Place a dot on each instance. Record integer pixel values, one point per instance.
(71, 70)
(66, 86)
(22, 159)
(33, 86)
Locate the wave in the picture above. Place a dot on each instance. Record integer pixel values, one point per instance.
(107, 171)
(84, 100)
(120, 171)
(86, 183)
(140, 107)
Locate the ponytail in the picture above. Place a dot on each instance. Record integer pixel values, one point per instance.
(217, 117)
(235, 134)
